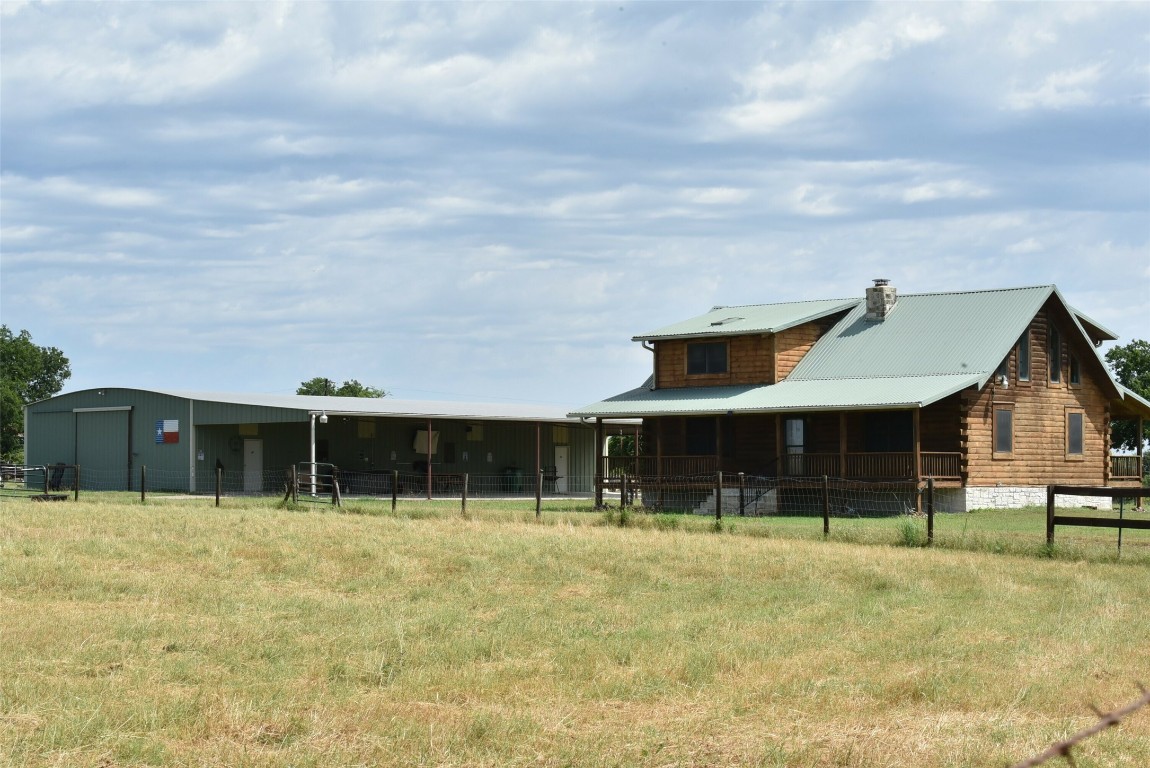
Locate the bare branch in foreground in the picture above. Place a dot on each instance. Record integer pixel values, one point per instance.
(1106, 720)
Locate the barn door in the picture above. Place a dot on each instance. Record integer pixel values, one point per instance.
(104, 449)
(253, 466)
(561, 469)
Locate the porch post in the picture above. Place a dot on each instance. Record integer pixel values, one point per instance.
(918, 463)
(659, 447)
(843, 444)
(638, 430)
(780, 459)
(719, 443)
(917, 444)
(599, 447)
(659, 458)
(429, 459)
(1140, 439)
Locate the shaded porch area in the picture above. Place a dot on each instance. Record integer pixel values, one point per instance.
(867, 445)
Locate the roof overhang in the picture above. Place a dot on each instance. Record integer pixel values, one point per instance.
(1131, 406)
(873, 394)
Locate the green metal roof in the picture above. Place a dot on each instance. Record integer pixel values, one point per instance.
(926, 335)
(1094, 328)
(839, 394)
(928, 347)
(366, 406)
(753, 318)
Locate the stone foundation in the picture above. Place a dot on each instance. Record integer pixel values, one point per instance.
(1008, 497)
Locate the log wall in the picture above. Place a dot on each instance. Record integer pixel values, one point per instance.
(1040, 408)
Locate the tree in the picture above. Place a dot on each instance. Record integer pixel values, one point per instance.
(27, 373)
(350, 388)
(1131, 366)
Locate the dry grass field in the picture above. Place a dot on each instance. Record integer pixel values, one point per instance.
(175, 633)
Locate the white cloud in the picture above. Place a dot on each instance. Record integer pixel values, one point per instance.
(951, 189)
(1029, 245)
(811, 200)
(66, 188)
(779, 94)
(717, 195)
(351, 176)
(1060, 90)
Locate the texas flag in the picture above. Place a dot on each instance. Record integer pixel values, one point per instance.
(168, 431)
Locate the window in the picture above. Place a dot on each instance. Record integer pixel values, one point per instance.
(889, 431)
(1074, 433)
(708, 357)
(793, 434)
(1003, 429)
(1024, 356)
(1075, 371)
(702, 437)
(1055, 355)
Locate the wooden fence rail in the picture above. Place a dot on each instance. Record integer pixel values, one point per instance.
(1120, 523)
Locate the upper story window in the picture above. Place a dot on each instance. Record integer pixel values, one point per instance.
(1055, 355)
(706, 357)
(1075, 433)
(1024, 356)
(1075, 371)
(1003, 430)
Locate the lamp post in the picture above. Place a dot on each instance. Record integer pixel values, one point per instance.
(311, 455)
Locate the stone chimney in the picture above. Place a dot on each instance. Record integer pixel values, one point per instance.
(880, 300)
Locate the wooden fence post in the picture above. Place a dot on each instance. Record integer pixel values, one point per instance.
(143, 482)
(718, 497)
(219, 481)
(1050, 515)
(742, 494)
(77, 481)
(826, 506)
(930, 510)
(538, 493)
(394, 488)
(463, 502)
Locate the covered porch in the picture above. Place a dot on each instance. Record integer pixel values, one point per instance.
(877, 445)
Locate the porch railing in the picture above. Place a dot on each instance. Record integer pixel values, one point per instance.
(648, 466)
(1125, 467)
(900, 465)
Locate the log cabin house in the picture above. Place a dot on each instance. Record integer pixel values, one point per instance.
(993, 394)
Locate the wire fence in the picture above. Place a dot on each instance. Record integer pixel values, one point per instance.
(759, 496)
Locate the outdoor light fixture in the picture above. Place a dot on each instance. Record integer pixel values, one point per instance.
(323, 418)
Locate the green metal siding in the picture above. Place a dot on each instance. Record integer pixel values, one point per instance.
(117, 446)
(103, 449)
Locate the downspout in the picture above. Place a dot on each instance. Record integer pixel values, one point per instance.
(191, 447)
(654, 367)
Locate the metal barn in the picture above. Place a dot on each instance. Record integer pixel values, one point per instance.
(183, 438)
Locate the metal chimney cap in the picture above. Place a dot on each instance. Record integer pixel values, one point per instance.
(879, 282)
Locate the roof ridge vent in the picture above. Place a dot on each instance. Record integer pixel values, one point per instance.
(726, 320)
(880, 300)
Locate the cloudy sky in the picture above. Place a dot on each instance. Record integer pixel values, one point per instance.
(486, 202)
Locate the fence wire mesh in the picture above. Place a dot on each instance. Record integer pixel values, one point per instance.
(759, 496)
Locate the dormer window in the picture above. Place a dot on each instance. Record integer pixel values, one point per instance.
(1024, 356)
(708, 357)
(1055, 356)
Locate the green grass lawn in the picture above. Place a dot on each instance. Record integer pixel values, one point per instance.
(175, 633)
